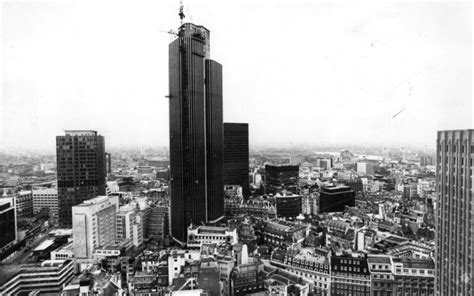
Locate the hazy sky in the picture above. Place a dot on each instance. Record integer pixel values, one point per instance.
(296, 71)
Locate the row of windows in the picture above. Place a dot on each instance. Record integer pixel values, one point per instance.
(455, 147)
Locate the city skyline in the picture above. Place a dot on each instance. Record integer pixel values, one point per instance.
(366, 63)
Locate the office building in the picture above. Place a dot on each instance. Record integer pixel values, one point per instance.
(158, 224)
(354, 183)
(24, 204)
(381, 273)
(401, 275)
(254, 207)
(455, 213)
(199, 235)
(280, 233)
(46, 278)
(108, 159)
(426, 160)
(81, 170)
(350, 276)
(335, 198)
(196, 131)
(236, 155)
(94, 225)
(310, 204)
(415, 277)
(280, 177)
(310, 266)
(8, 223)
(247, 277)
(46, 198)
(288, 205)
(129, 225)
(324, 163)
(365, 168)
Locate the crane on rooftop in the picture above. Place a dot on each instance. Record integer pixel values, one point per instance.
(181, 11)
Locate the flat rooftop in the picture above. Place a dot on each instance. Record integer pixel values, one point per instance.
(80, 133)
(212, 229)
(8, 271)
(95, 200)
(415, 263)
(379, 259)
(44, 245)
(60, 232)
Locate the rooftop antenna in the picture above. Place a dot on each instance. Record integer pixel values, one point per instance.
(181, 13)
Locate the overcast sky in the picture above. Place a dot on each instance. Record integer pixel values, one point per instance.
(296, 71)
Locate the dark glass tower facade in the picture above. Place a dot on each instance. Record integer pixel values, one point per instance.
(196, 132)
(81, 170)
(335, 199)
(7, 224)
(279, 177)
(455, 213)
(236, 155)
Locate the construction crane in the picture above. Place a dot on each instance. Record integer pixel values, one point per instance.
(171, 32)
(174, 33)
(181, 17)
(181, 11)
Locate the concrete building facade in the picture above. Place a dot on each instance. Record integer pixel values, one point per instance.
(455, 213)
(94, 225)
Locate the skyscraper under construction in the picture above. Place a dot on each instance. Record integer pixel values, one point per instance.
(196, 131)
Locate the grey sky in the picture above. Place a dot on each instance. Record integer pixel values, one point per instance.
(296, 71)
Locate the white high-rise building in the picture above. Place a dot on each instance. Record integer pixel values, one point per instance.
(46, 198)
(94, 225)
(365, 168)
(129, 225)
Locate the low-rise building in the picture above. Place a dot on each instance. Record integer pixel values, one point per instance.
(382, 277)
(199, 235)
(288, 205)
(335, 198)
(311, 267)
(48, 277)
(247, 277)
(414, 276)
(281, 233)
(350, 276)
(65, 252)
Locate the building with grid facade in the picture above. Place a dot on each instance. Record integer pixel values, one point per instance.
(236, 155)
(81, 170)
(94, 225)
(455, 211)
(46, 198)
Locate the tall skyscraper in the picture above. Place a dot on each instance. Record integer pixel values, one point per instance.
(455, 213)
(236, 155)
(196, 135)
(81, 170)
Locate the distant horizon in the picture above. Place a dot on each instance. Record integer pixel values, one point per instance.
(286, 146)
